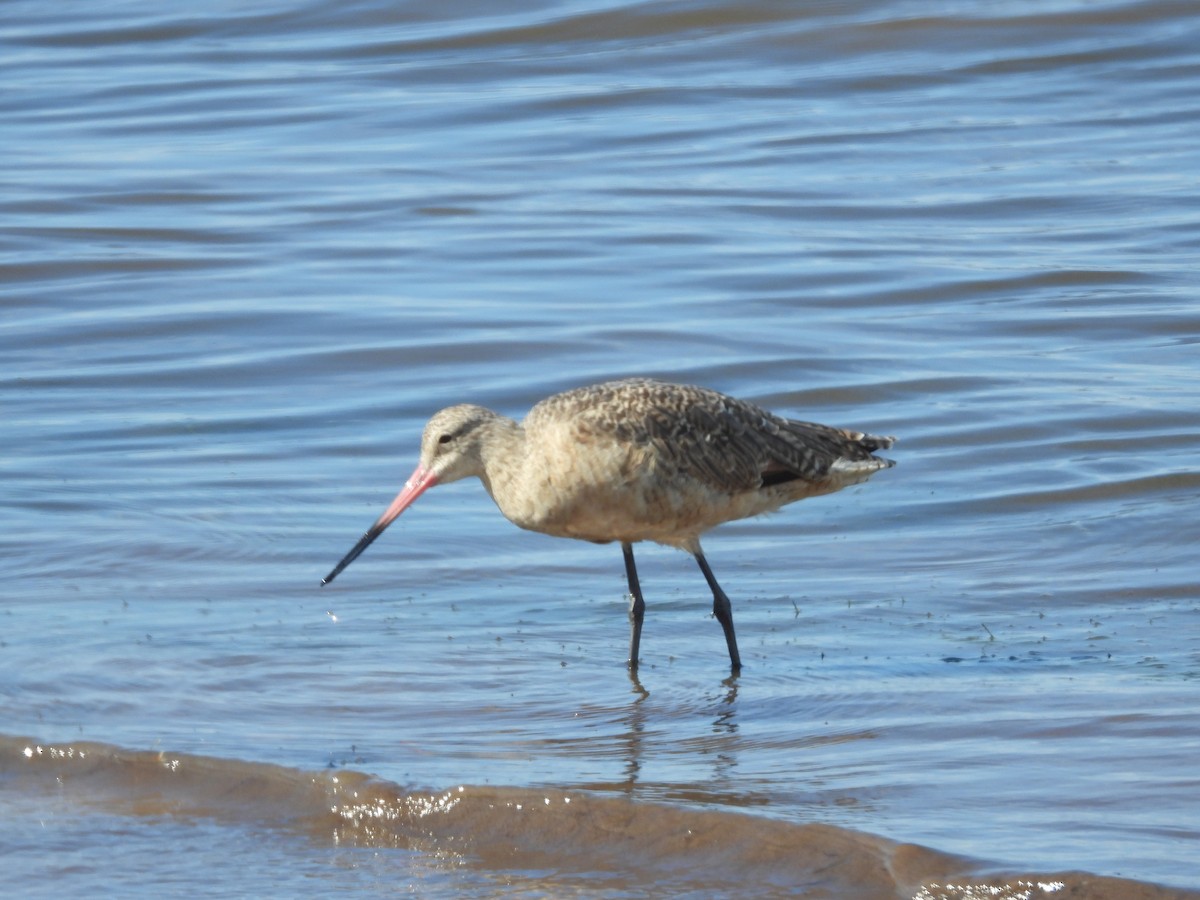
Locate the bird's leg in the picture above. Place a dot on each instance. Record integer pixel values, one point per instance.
(637, 606)
(723, 610)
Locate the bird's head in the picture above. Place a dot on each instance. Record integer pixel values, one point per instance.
(451, 449)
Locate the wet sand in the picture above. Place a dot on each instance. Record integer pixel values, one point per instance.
(544, 840)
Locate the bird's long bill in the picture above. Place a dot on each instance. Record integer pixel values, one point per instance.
(418, 483)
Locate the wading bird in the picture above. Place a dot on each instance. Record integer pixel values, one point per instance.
(636, 460)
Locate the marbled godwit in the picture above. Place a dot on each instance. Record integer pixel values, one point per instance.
(636, 460)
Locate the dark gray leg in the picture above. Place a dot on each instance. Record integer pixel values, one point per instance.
(723, 610)
(637, 606)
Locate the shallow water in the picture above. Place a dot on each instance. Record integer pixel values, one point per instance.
(244, 257)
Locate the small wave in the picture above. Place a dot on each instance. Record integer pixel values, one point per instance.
(524, 830)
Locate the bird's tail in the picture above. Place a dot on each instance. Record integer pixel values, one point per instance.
(873, 442)
(864, 463)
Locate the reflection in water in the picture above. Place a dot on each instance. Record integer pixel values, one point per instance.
(722, 745)
(636, 684)
(635, 725)
(724, 720)
(725, 727)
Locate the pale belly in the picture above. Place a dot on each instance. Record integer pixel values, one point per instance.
(605, 501)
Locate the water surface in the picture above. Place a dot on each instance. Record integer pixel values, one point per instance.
(246, 254)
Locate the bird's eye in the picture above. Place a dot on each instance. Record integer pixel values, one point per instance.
(445, 439)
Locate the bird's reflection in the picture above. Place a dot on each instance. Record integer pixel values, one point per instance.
(634, 721)
(725, 727)
(637, 686)
(727, 706)
(722, 746)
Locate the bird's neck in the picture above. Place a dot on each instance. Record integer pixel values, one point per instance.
(502, 456)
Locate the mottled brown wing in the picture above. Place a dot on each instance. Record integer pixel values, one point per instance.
(723, 442)
(810, 450)
(694, 432)
(707, 436)
(689, 430)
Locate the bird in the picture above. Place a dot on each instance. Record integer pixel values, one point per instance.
(636, 460)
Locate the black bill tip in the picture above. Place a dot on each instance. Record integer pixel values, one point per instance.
(354, 553)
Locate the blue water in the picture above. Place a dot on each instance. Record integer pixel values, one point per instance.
(246, 253)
